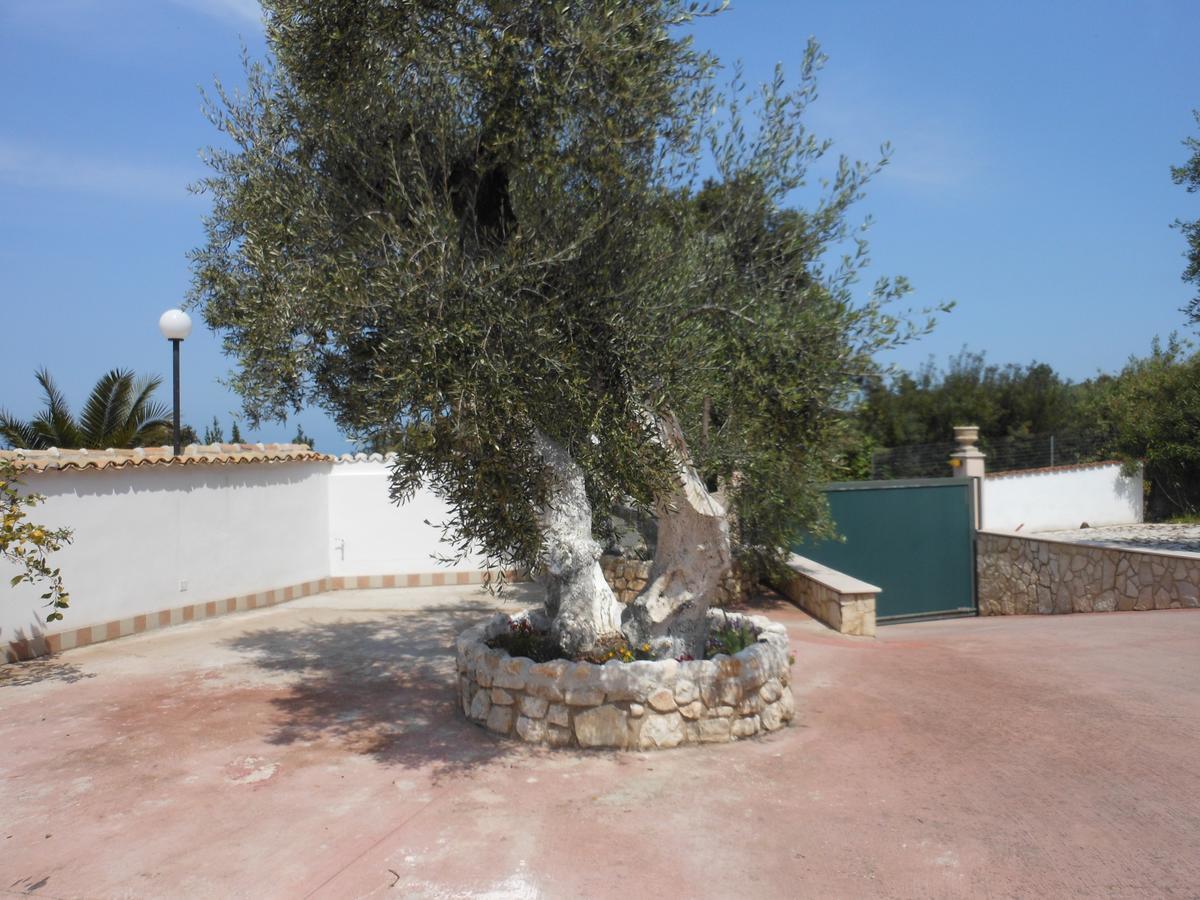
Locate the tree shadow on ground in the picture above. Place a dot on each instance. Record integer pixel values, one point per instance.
(43, 668)
(762, 603)
(384, 686)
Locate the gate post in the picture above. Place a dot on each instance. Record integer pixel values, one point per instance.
(967, 462)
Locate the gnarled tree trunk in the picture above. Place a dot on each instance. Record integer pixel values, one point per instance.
(579, 602)
(692, 557)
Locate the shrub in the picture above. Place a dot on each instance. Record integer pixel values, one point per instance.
(28, 545)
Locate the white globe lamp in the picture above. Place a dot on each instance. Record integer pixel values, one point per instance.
(175, 326)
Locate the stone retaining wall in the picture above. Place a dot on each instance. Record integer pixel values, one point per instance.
(629, 577)
(642, 705)
(1024, 575)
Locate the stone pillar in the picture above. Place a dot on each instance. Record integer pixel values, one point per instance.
(967, 462)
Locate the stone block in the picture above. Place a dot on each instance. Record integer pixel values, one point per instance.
(713, 730)
(755, 665)
(745, 727)
(771, 691)
(729, 691)
(1188, 594)
(534, 707)
(558, 714)
(501, 697)
(771, 716)
(686, 691)
(663, 700)
(532, 730)
(603, 726)
(481, 704)
(553, 670)
(787, 706)
(661, 731)
(580, 696)
(558, 737)
(545, 680)
(544, 688)
(693, 710)
(500, 719)
(489, 660)
(512, 673)
(751, 704)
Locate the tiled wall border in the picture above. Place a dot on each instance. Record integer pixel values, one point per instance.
(41, 645)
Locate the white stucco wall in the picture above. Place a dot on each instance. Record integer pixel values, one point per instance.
(226, 530)
(139, 532)
(370, 535)
(1049, 500)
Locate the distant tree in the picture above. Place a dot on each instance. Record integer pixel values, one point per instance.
(1188, 175)
(302, 438)
(1151, 414)
(163, 436)
(213, 433)
(235, 434)
(1004, 401)
(119, 412)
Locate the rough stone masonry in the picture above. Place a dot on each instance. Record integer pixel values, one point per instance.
(645, 705)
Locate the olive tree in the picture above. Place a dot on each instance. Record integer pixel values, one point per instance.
(536, 251)
(1188, 175)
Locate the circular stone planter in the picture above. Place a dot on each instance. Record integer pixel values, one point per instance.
(642, 705)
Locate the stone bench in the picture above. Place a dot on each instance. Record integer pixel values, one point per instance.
(841, 601)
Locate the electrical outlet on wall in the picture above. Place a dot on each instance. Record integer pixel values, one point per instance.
(182, 585)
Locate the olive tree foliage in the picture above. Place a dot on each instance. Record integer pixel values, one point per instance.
(1189, 176)
(26, 545)
(483, 233)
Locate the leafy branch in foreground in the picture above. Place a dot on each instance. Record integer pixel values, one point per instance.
(28, 545)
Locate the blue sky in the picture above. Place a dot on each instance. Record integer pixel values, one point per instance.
(1029, 182)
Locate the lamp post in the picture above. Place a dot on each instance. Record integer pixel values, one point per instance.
(175, 325)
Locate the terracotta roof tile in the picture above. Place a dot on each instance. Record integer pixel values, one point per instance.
(365, 457)
(193, 454)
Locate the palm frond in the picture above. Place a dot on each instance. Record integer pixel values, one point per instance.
(18, 434)
(145, 416)
(56, 424)
(102, 420)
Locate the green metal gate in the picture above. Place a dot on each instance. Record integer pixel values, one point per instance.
(915, 539)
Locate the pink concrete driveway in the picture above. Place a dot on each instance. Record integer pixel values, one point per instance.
(313, 750)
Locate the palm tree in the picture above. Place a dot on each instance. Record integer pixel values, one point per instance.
(119, 412)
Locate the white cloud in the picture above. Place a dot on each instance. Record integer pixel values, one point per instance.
(243, 11)
(932, 157)
(932, 149)
(26, 165)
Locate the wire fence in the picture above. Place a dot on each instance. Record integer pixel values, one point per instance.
(1032, 451)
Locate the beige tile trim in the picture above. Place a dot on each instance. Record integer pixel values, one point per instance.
(40, 645)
